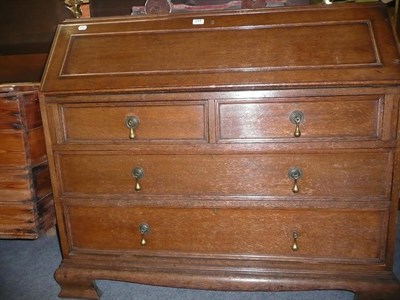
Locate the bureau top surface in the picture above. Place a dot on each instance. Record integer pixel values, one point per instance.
(337, 45)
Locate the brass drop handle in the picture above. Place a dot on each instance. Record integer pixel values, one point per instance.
(137, 173)
(132, 122)
(295, 246)
(296, 117)
(295, 174)
(143, 229)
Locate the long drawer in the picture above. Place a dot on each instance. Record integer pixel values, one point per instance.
(341, 175)
(327, 234)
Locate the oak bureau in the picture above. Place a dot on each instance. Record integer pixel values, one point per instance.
(241, 150)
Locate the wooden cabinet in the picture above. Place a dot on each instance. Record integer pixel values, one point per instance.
(238, 152)
(26, 202)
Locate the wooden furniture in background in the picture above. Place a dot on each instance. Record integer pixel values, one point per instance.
(26, 202)
(251, 150)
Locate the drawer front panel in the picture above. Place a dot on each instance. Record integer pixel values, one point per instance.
(20, 110)
(15, 185)
(156, 122)
(322, 175)
(10, 117)
(331, 234)
(17, 220)
(12, 149)
(352, 117)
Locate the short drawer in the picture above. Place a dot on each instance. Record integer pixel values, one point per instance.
(360, 176)
(134, 122)
(327, 234)
(296, 119)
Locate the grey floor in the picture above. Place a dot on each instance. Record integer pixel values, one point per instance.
(27, 268)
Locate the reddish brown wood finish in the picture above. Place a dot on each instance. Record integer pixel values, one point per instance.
(215, 143)
(26, 203)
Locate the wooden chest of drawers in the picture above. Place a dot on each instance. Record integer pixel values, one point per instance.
(26, 202)
(234, 150)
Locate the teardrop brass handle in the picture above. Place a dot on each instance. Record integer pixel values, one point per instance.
(295, 246)
(137, 173)
(132, 122)
(143, 229)
(295, 174)
(296, 117)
